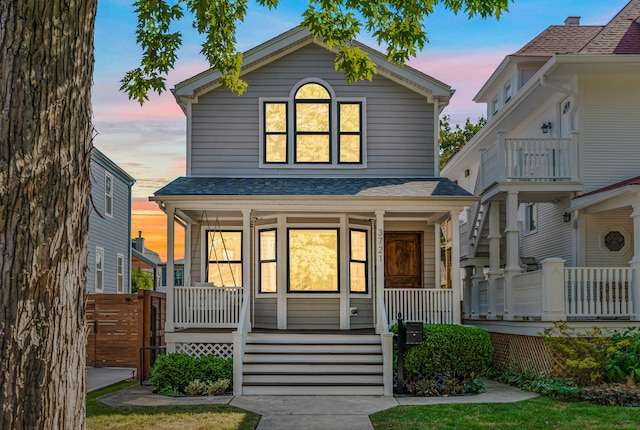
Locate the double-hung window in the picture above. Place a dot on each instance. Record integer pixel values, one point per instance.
(358, 261)
(120, 273)
(313, 260)
(224, 257)
(99, 269)
(268, 261)
(108, 194)
(312, 127)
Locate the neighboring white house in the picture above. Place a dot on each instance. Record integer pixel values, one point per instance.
(109, 258)
(556, 234)
(313, 212)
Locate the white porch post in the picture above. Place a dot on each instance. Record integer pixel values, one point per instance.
(502, 156)
(553, 303)
(478, 276)
(575, 154)
(635, 261)
(455, 265)
(246, 259)
(467, 298)
(169, 322)
(380, 255)
(513, 252)
(494, 258)
(438, 259)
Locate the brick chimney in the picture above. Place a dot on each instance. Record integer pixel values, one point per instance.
(572, 20)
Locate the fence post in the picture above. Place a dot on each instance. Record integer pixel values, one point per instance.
(553, 286)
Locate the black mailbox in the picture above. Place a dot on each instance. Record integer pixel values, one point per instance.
(414, 333)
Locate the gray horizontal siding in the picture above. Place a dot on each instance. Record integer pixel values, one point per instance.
(364, 319)
(110, 233)
(266, 313)
(553, 237)
(597, 227)
(225, 127)
(313, 313)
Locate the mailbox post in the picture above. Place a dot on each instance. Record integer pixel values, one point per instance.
(410, 335)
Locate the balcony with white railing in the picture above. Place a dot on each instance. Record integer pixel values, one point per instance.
(207, 306)
(542, 160)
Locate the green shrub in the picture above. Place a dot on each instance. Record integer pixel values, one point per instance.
(213, 368)
(451, 356)
(461, 351)
(173, 372)
(623, 357)
(584, 355)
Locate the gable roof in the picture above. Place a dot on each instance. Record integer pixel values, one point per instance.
(620, 36)
(297, 38)
(350, 187)
(618, 185)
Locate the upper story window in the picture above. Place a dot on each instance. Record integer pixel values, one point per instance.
(507, 93)
(494, 106)
(312, 126)
(108, 194)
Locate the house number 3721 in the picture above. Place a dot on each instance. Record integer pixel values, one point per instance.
(380, 245)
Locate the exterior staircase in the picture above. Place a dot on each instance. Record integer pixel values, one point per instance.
(312, 364)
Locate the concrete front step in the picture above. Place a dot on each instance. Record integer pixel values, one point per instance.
(312, 364)
(312, 378)
(337, 367)
(312, 358)
(304, 348)
(313, 390)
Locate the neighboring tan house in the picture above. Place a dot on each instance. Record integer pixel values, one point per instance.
(313, 210)
(556, 234)
(109, 256)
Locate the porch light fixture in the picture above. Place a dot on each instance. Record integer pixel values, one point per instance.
(566, 217)
(546, 127)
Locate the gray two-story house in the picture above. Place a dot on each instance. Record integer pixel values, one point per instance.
(109, 252)
(313, 212)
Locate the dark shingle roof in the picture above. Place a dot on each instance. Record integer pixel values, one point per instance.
(374, 187)
(620, 36)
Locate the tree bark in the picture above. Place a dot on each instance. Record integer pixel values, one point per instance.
(46, 67)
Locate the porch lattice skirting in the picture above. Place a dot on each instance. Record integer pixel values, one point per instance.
(222, 350)
(523, 352)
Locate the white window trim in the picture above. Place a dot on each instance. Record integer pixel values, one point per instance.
(283, 263)
(290, 101)
(508, 87)
(120, 275)
(527, 223)
(106, 195)
(99, 252)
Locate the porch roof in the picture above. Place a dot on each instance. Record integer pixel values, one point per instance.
(370, 187)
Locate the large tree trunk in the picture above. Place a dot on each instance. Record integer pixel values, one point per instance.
(46, 65)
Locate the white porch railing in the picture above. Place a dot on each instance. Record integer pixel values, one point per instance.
(598, 292)
(529, 159)
(431, 306)
(527, 292)
(207, 306)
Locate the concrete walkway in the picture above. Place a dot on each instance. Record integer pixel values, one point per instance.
(100, 377)
(314, 412)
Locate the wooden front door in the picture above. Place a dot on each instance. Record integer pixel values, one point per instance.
(403, 260)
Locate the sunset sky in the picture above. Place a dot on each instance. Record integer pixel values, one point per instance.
(149, 141)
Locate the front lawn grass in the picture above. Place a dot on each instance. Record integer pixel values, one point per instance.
(539, 413)
(101, 416)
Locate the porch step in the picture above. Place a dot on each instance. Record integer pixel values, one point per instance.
(312, 364)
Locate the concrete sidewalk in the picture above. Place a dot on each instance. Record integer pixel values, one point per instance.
(314, 412)
(100, 377)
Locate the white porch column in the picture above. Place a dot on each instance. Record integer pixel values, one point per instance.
(575, 155)
(455, 265)
(247, 261)
(553, 303)
(502, 156)
(512, 252)
(635, 261)
(467, 298)
(169, 323)
(478, 276)
(494, 259)
(379, 255)
(438, 259)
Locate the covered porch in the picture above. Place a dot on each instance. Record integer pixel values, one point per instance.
(315, 263)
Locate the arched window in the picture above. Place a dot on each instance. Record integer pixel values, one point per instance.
(312, 126)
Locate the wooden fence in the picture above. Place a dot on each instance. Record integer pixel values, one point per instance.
(118, 325)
